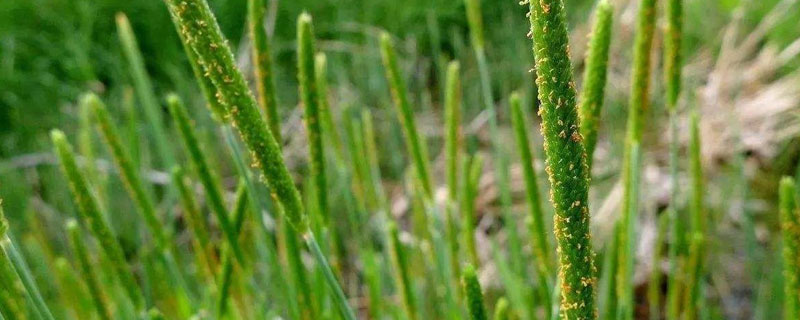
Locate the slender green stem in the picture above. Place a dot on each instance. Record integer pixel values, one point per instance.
(472, 174)
(402, 276)
(328, 125)
(541, 246)
(452, 150)
(226, 278)
(790, 228)
(262, 62)
(474, 294)
(565, 158)
(129, 173)
(10, 252)
(639, 104)
(414, 143)
(694, 285)
(144, 90)
(339, 298)
(502, 310)
(197, 222)
(207, 175)
(87, 270)
(594, 77)
(654, 285)
(90, 214)
(696, 170)
(500, 158)
(310, 98)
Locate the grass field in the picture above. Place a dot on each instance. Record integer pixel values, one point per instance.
(356, 159)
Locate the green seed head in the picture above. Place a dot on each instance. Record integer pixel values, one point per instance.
(474, 294)
(475, 22)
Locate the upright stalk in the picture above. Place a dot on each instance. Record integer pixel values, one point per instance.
(414, 143)
(144, 90)
(87, 271)
(9, 251)
(452, 104)
(402, 276)
(499, 157)
(262, 62)
(594, 77)
(201, 33)
(90, 215)
(310, 98)
(790, 229)
(638, 106)
(474, 294)
(565, 158)
(208, 177)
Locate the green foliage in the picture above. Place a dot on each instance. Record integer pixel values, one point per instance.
(414, 144)
(790, 228)
(474, 294)
(88, 272)
(129, 173)
(262, 65)
(310, 97)
(207, 175)
(91, 216)
(144, 90)
(402, 275)
(501, 310)
(594, 77)
(565, 159)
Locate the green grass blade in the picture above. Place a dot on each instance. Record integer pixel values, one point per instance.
(474, 294)
(654, 285)
(90, 214)
(696, 170)
(207, 175)
(672, 52)
(565, 158)
(402, 276)
(594, 77)
(87, 270)
(639, 104)
(204, 249)
(541, 247)
(500, 157)
(310, 98)
(415, 145)
(9, 251)
(262, 63)
(226, 278)
(144, 90)
(128, 172)
(790, 229)
(452, 151)
(501, 310)
(472, 174)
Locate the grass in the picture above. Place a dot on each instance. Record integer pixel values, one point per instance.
(294, 180)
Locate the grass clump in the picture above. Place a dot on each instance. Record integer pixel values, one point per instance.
(201, 33)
